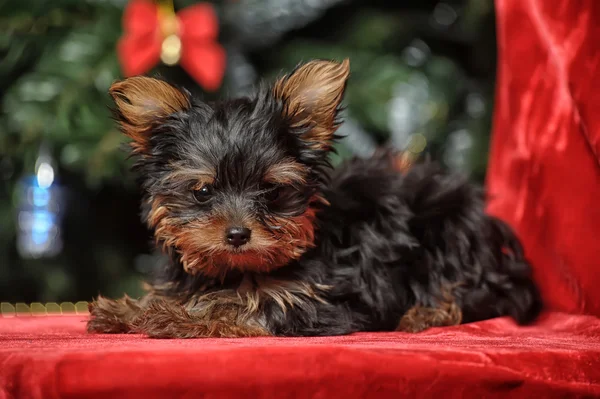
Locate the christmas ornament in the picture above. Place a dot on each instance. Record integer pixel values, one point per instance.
(155, 32)
(40, 211)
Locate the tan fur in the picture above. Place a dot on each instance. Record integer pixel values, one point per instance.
(201, 243)
(286, 172)
(312, 95)
(143, 101)
(244, 305)
(224, 313)
(159, 211)
(286, 294)
(197, 176)
(403, 161)
(421, 318)
(113, 316)
(220, 318)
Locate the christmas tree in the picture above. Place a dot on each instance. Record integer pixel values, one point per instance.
(422, 79)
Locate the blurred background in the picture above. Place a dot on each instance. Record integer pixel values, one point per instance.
(422, 75)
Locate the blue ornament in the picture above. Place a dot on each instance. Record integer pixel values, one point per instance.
(39, 213)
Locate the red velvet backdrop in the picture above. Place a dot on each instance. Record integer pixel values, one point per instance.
(544, 176)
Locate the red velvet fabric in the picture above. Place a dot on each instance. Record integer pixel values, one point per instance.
(53, 357)
(544, 176)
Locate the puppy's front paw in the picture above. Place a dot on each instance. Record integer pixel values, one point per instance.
(420, 318)
(162, 319)
(112, 316)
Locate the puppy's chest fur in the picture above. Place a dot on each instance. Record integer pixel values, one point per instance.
(245, 298)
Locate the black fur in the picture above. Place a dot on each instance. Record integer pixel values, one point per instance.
(389, 242)
(385, 243)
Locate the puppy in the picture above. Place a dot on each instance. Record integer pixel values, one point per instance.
(263, 238)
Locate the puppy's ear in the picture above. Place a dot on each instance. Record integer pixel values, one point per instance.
(141, 102)
(311, 96)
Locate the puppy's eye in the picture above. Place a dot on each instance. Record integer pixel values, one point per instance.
(203, 193)
(273, 193)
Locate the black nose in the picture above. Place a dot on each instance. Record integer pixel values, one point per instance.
(238, 236)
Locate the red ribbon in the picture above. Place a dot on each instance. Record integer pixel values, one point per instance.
(196, 26)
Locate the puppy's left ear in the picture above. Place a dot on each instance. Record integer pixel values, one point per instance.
(311, 96)
(142, 103)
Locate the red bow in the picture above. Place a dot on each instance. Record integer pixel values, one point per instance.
(196, 27)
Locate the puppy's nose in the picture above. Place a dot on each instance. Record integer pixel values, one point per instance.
(237, 236)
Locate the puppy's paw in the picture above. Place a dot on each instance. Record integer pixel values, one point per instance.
(420, 318)
(112, 316)
(163, 319)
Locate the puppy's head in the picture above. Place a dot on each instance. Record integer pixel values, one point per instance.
(234, 184)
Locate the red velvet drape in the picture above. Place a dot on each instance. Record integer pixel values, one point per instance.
(544, 176)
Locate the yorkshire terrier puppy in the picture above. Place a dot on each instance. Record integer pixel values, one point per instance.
(263, 238)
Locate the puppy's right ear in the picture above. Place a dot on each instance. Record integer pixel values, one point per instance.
(312, 94)
(141, 102)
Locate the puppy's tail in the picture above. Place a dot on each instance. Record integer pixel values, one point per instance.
(516, 294)
(466, 245)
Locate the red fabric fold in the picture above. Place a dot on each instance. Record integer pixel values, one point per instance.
(544, 176)
(52, 357)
